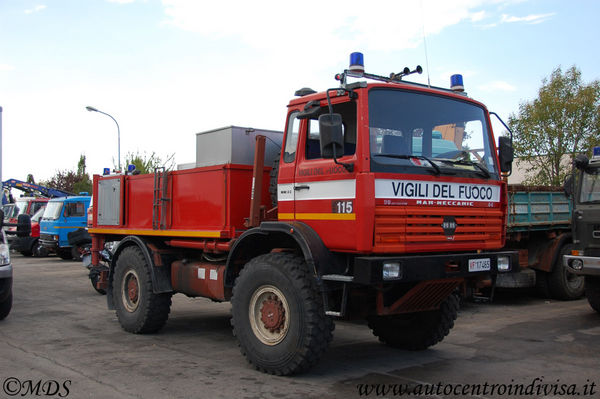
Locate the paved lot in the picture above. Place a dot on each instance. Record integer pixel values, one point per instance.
(60, 333)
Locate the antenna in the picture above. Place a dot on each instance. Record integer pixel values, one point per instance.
(425, 43)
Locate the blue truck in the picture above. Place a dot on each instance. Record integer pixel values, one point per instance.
(539, 227)
(62, 216)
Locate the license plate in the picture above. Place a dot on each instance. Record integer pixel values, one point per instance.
(479, 265)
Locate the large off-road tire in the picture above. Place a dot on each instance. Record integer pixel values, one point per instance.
(562, 283)
(138, 308)
(592, 291)
(419, 330)
(278, 315)
(6, 306)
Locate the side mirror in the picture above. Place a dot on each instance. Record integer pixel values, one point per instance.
(332, 138)
(23, 226)
(568, 186)
(506, 154)
(581, 162)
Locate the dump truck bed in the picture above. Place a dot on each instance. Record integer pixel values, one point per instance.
(533, 208)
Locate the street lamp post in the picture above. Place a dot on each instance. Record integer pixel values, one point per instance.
(92, 109)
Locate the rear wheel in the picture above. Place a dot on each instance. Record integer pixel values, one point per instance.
(419, 330)
(138, 308)
(592, 292)
(562, 283)
(278, 315)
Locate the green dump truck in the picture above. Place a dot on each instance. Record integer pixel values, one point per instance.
(539, 227)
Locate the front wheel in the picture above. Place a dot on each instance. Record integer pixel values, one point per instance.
(278, 315)
(419, 330)
(592, 292)
(562, 283)
(138, 308)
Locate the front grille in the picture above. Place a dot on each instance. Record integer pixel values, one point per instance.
(47, 237)
(413, 229)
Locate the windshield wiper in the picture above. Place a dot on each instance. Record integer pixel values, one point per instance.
(399, 156)
(483, 169)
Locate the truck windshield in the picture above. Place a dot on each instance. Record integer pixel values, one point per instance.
(22, 206)
(52, 211)
(590, 186)
(411, 130)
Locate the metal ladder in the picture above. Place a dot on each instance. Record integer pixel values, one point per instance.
(160, 199)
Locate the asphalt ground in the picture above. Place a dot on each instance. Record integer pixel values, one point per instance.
(61, 341)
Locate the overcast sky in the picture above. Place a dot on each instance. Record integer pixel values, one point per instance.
(168, 69)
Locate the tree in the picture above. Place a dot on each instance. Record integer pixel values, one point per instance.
(148, 164)
(70, 181)
(562, 121)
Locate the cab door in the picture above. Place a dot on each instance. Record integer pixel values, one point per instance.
(325, 192)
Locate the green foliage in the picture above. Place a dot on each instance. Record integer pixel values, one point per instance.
(73, 182)
(148, 163)
(562, 121)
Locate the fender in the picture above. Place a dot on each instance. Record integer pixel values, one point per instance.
(161, 277)
(549, 254)
(270, 235)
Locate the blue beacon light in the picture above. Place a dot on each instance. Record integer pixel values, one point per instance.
(596, 152)
(456, 83)
(357, 62)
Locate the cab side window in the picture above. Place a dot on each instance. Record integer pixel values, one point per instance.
(291, 140)
(348, 112)
(74, 209)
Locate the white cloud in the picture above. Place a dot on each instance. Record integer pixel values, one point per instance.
(121, 1)
(35, 9)
(497, 85)
(531, 19)
(278, 26)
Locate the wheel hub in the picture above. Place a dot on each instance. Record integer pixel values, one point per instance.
(132, 289)
(272, 314)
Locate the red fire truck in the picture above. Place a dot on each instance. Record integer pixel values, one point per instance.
(384, 199)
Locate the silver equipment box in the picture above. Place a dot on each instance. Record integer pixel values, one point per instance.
(235, 145)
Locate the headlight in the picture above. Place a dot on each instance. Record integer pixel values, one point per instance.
(577, 264)
(391, 270)
(4, 255)
(503, 263)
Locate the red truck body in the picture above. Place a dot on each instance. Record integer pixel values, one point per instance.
(412, 206)
(208, 202)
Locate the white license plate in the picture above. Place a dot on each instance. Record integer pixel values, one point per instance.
(479, 265)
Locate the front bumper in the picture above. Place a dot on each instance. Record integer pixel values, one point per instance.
(6, 271)
(591, 265)
(49, 241)
(370, 269)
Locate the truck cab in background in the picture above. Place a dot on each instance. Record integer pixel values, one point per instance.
(62, 216)
(584, 260)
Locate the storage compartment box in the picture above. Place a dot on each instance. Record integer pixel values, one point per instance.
(235, 145)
